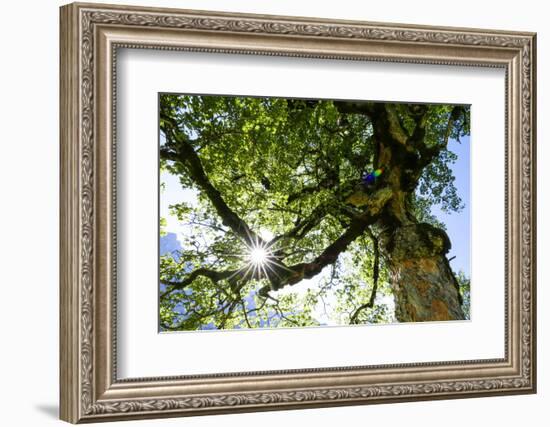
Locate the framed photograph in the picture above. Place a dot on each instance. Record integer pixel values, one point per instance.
(267, 212)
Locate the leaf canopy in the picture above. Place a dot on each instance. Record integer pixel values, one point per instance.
(287, 169)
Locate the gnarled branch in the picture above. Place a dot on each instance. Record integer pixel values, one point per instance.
(357, 227)
(180, 150)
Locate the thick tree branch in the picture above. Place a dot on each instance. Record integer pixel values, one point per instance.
(354, 107)
(387, 117)
(420, 115)
(357, 227)
(181, 151)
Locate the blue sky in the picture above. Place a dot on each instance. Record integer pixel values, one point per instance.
(458, 223)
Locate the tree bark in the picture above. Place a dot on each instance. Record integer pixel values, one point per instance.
(424, 285)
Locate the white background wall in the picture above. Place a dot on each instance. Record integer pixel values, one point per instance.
(29, 170)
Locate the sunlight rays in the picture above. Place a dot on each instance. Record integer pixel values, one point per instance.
(257, 256)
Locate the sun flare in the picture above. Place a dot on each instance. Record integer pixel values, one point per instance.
(258, 255)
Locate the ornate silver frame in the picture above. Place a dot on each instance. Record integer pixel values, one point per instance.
(90, 35)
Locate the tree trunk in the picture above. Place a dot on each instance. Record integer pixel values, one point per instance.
(424, 285)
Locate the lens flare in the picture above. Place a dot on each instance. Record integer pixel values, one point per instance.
(370, 179)
(258, 256)
(378, 172)
(260, 261)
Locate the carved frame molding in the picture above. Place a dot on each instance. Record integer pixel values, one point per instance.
(90, 36)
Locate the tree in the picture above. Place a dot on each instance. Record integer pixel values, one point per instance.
(288, 190)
